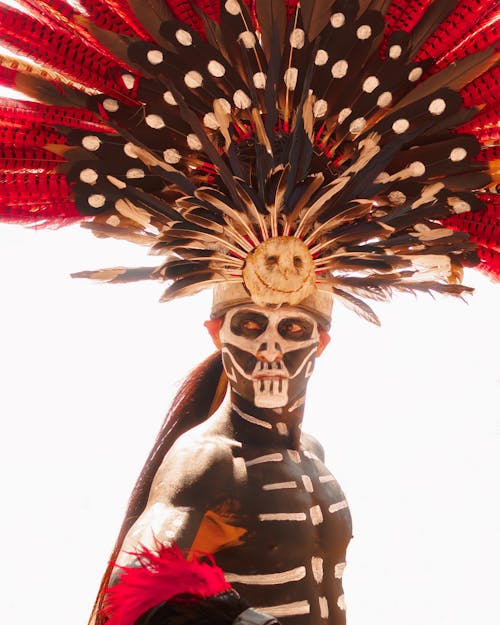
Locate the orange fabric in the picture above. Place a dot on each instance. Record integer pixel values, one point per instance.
(215, 534)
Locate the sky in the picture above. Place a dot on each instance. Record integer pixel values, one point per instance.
(409, 415)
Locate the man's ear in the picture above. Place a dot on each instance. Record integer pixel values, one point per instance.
(213, 327)
(324, 339)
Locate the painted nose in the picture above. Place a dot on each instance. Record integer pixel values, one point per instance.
(270, 352)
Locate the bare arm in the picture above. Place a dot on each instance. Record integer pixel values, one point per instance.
(190, 479)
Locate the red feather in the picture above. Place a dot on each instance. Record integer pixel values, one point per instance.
(482, 227)
(57, 12)
(161, 576)
(116, 16)
(490, 262)
(8, 77)
(60, 50)
(210, 8)
(484, 34)
(484, 89)
(55, 7)
(404, 15)
(28, 136)
(488, 135)
(393, 15)
(461, 22)
(53, 214)
(184, 12)
(481, 125)
(32, 186)
(27, 159)
(20, 112)
(489, 154)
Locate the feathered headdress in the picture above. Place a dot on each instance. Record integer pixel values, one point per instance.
(290, 149)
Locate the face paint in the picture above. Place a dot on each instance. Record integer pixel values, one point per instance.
(268, 355)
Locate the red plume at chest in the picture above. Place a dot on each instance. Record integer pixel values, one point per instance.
(161, 576)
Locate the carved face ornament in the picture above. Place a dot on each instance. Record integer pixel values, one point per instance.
(280, 270)
(269, 355)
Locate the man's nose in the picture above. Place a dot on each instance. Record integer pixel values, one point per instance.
(270, 352)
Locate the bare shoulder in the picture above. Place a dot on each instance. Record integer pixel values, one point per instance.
(202, 449)
(312, 444)
(197, 463)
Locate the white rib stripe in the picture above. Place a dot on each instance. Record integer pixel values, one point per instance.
(261, 459)
(300, 402)
(287, 609)
(294, 455)
(268, 579)
(326, 478)
(282, 428)
(323, 607)
(310, 455)
(339, 570)
(317, 569)
(316, 515)
(308, 485)
(279, 485)
(340, 505)
(251, 419)
(283, 516)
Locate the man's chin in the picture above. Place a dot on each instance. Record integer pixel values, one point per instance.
(270, 402)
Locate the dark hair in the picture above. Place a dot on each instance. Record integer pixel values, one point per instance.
(198, 398)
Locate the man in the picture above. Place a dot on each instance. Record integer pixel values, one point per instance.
(330, 155)
(248, 485)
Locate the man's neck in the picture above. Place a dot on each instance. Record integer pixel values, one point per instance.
(277, 426)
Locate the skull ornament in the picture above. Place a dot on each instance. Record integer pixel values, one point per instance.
(280, 271)
(269, 355)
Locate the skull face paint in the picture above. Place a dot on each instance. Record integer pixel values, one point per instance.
(269, 355)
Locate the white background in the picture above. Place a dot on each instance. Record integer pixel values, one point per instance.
(409, 415)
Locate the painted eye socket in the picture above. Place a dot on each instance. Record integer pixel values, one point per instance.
(248, 324)
(297, 261)
(271, 260)
(295, 329)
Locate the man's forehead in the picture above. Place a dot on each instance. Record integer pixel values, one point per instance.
(273, 314)
(230, 295)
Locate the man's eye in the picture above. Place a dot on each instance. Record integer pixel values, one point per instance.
(248, 324)
(296, 329)
(293, 328)
(251, 325)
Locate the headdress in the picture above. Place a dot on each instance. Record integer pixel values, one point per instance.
(292, 148)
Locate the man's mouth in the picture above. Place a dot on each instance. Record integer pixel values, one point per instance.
(270, 371)
(272, 385)
(270, 376)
